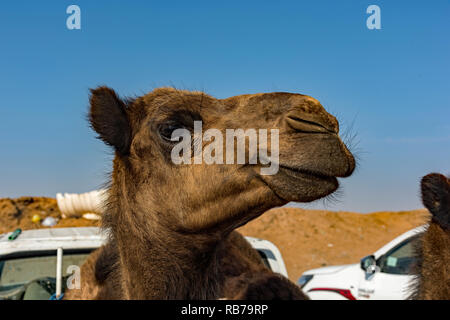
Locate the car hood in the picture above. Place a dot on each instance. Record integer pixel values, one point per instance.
(330, 269)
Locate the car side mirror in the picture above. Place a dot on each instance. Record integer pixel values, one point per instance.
(369, 264)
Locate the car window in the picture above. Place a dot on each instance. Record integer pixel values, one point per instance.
(401, 259)
(22, 270)
(264, 256)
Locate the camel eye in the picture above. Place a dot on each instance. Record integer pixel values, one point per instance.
(168, 133)
(178, 125)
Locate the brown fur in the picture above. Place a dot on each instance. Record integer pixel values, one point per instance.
(172, 225)
(433, 252)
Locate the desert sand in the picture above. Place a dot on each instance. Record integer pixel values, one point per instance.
(306, 238)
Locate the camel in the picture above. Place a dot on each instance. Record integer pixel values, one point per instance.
(432, 281)
(172, 226)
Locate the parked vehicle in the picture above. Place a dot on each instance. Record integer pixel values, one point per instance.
(386, 274)
(28, 264)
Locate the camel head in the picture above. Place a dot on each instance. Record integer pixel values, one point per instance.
(436, 198)
(302, 142)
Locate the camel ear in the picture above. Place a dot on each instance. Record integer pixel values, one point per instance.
(436, 197)
(108, 117)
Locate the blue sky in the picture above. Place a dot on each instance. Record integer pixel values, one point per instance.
(392, 84)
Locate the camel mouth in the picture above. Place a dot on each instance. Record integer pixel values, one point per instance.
(301, 173)
(301, 185)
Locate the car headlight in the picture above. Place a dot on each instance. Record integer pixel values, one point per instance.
(304, 279)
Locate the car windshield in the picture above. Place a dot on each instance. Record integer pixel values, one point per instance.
(18, 271)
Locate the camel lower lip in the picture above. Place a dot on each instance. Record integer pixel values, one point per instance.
(301, 173)
(301, 185)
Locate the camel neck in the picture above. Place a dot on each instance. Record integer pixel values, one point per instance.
(435, 262)
(185, 260)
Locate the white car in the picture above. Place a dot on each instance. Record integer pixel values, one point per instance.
(384, 275)
(28, 264)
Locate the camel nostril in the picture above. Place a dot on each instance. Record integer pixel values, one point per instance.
(308, 124)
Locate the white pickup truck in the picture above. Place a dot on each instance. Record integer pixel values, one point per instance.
(384, 275)
(28, 264)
